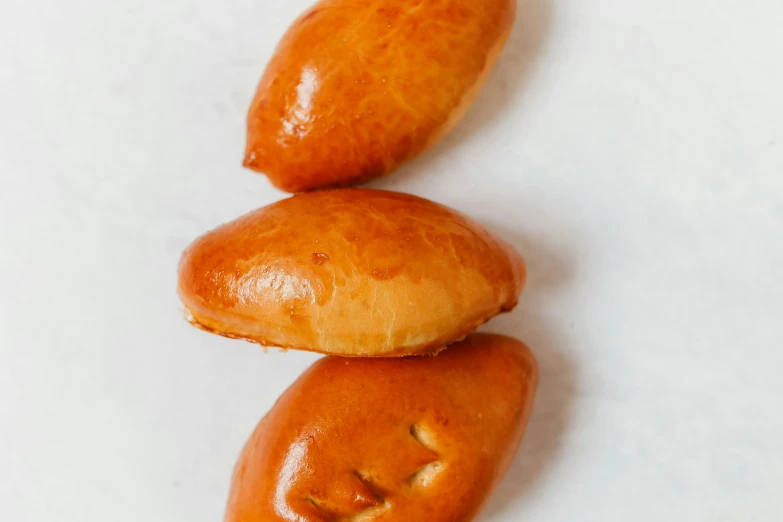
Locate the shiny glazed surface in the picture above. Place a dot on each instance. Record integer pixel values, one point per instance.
(356, 87)
(351, 272)
(397, 440)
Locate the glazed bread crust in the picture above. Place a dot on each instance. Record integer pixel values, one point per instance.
(356, 87)
(353, 272)
(389, 440)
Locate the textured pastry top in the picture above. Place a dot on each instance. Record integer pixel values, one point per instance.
(352, 272)
(423, 439)
(356, 87)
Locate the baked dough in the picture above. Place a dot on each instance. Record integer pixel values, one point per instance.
(356, 87)
(353, 272)
(418, 439)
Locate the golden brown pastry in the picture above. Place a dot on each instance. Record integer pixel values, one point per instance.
(351, 272)
(356, 87)
(419, 439)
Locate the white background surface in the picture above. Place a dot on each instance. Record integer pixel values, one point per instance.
(632, 150)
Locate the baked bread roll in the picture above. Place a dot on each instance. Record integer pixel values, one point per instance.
(394, 440)
(356, 87)
(351, 272)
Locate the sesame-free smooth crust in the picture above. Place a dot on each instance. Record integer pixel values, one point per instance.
(356, 87)
(389, 440)
(352, 272)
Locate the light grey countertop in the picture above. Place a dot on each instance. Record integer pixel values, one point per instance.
(631, 150)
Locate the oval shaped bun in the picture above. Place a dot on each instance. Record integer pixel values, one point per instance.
(393, 440)
(351, 272)
(356, 87)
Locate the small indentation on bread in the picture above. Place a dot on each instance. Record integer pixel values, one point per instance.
(365, 515)
(426, 474)
(370, 514)
(423, 437)
(364, 478)
(320, 258)
(325, 514)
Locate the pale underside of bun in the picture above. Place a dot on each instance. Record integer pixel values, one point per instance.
(347, 348)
